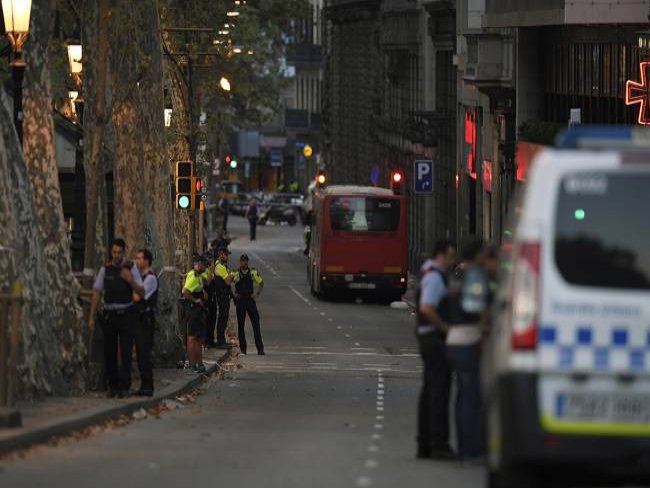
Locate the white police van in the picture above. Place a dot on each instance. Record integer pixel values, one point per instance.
(566, 370)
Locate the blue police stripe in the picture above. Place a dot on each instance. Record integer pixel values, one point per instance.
(566, 357)
(601, 358)
(619, 337)
(584, 336)
(637, 359)
(548, 335)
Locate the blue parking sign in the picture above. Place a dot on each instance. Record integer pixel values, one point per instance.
(423, 176)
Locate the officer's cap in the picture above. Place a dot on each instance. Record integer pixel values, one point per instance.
(243, 257)
(223, 249)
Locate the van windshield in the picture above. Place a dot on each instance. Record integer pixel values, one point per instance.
(602, 233)
(364, 214)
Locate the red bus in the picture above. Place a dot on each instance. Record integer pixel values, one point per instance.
(358, 242)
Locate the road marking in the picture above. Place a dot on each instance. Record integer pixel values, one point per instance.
(379, 426)
(299, 295)
(371, 464)
(362, 349)
(376, 436)
(373, 448)
(379, 417)
(330, 320)
(364, 481)
(320, 348)
(322, 314)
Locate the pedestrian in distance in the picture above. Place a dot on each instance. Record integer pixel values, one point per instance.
(251, 215)
(463, 344)
(245, 280)
(432, 327)
(222, 281)
(224, 208)
(116, 280)
(195, 297)
(145, 320)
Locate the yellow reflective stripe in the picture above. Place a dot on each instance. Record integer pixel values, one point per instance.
(221, 271)
(556, 426)
(256, 276)
(192, 282)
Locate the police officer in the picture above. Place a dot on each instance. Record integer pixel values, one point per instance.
(195, 297)
(145, 324)
(222, 279)
(245, 280)
(117, 280)
(431, 330)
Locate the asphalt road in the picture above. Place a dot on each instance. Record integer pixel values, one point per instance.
(332, 404)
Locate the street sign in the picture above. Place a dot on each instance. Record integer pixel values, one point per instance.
(276, 158)
(423, 176)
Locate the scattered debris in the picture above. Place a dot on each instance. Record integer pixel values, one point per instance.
(140, 414)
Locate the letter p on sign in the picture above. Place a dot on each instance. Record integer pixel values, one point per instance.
(423, 176)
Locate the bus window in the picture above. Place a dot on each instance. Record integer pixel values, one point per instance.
(364, 214)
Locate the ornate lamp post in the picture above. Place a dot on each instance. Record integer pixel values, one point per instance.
(75, 66)
(16, 17)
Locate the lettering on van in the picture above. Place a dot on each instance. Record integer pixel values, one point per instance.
(384, 205)
(589, 184)
(605, 309)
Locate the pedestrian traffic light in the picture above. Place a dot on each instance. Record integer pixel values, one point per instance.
(320, 179)
(396, 181)
(227, 159)
(184, 172)
(199, 194)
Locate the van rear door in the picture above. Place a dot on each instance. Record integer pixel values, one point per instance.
(594, 337)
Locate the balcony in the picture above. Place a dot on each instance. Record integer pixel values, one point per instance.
(489, 60)
(528, 13)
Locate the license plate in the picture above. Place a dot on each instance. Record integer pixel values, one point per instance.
(363, 286)
(603, 407)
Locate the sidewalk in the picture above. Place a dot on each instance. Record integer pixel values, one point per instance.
(60, 416)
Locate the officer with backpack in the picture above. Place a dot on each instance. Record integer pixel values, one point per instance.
(145, 323)
(431, 330)
(117, 280)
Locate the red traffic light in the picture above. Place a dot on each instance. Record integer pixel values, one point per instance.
(397, 177)
(198, 184)
(228, 158)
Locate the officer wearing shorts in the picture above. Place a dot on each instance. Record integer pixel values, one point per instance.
(196, 305)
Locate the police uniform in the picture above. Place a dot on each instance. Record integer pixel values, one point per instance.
(223, 292)
(119, 321)
(196, 313)
(245, 281)
(144, 331)
(433, 406)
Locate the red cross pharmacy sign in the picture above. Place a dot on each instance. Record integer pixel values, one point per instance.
(637, 93)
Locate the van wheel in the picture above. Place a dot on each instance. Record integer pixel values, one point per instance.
(512, 477)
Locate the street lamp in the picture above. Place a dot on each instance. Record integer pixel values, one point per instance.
(232, 13)
(75, 54)
(224, 83)
(16, 16)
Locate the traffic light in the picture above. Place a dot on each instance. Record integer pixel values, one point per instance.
(227, 159)
(199, 194)
(321, 179)
(396, 182)
(184, 172)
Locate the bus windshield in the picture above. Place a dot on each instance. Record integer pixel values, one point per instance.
(364, 214)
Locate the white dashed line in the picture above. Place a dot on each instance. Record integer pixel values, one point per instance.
(373, 448)
(299, 295)
(371, 464)
(364, 481)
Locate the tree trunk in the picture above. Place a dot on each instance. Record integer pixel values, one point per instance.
(65, 318)
(158, 218)
(125, 73)
(95, 25)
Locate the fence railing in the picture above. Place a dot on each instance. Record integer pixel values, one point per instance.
(11, 303)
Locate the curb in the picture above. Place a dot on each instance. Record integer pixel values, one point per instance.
(41, 435)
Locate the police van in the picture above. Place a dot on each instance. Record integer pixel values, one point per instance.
(566, 369)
